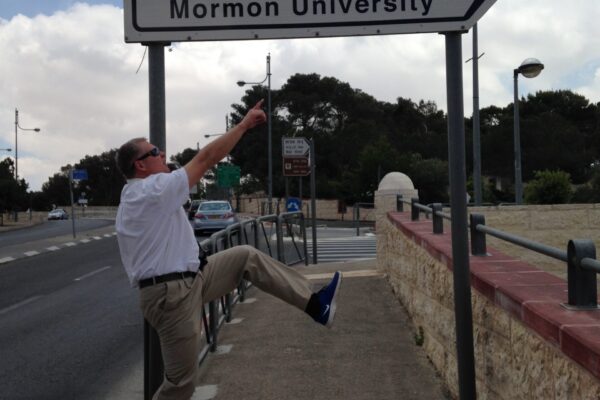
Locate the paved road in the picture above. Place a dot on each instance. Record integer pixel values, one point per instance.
(69, 324)
(51, 229)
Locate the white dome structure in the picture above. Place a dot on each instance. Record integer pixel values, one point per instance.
(392, 185)
(396, 181)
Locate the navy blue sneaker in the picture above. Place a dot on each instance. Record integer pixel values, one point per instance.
(327, 297)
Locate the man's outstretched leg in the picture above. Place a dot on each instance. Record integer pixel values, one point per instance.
(226, 269)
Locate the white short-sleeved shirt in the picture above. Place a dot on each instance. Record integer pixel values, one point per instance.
(154, 234)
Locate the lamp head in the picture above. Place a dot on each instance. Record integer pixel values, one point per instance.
(206, 136)
(37, 129)
(241, 83)
(530, 68)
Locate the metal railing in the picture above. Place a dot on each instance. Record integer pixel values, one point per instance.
(580, 255)
(288, 228)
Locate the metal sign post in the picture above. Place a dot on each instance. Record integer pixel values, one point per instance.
(313, 196)
(153, 363)
(458, 205)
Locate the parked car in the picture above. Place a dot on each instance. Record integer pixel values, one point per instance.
(58, 213)
(193, 208)
(213, 216)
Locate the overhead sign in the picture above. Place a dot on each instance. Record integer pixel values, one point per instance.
(296, 166)
(80, 174)
(228, 175)
(201, 20)
(295, 147)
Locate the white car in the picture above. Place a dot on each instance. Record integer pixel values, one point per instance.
(213, 216)
(58, 213)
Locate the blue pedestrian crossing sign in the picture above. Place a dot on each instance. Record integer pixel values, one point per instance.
(293, 204)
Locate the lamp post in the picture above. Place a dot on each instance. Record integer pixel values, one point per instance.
(477, 191)
(17, 127)
(530, 68)
(269, 149)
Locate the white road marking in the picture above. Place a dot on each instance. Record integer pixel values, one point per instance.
(31, 253)
(70, 244)
(19, 304)
(249, 300)
(53, 248)
(205, 392)
(107, 235)
(223, 349)
(92, 273)
(97, 237)
(236, 321)
(6, 259)
(85, 240)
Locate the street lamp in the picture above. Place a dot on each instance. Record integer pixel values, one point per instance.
(6, 150)
(269, 149)
(17, 127)
(530, 68)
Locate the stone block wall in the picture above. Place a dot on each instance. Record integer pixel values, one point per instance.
(526, 345)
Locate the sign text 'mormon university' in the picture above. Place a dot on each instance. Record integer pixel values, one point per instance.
(184, 20)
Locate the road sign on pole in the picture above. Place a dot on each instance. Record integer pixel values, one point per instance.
(197, 20)
(296, 166)
(295, 147)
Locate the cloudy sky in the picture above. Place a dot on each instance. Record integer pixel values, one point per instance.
(65, 66)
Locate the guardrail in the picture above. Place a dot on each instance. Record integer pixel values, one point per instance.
(580, 255)
(288, 229)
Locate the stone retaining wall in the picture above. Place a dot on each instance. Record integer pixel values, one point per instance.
(526, 345)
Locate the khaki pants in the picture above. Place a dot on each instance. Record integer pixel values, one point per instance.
(174, 308)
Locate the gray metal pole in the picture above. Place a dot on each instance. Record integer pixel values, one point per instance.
(476, 124)
(156, 83)
(153, 363)
(313, 196)
(270, 149)
(16, 146)
(72, 201)
(517, 144)
(460, 247)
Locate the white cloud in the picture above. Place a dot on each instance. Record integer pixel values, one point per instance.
(72, 74)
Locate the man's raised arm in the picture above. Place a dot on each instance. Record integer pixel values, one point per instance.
(216, 150)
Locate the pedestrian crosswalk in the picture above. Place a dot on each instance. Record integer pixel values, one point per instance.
(350, 248)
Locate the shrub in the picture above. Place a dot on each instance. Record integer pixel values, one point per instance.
(549, 187)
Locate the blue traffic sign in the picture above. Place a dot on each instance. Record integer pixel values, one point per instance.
(293, 204)
(80, 174)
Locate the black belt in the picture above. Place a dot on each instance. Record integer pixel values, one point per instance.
(166, 278)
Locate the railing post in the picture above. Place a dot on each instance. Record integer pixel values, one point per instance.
(438, 221)
(414, 211)
(478, 241)
(582, 283)
(279, 234)
(213, 323)
(399, 203)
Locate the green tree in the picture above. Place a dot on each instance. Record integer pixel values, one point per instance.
(549, 187)
(13, 194)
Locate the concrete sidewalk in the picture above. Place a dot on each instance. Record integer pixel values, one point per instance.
(271, 351)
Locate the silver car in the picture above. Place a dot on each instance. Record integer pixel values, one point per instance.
(213, 216)
(58, 213)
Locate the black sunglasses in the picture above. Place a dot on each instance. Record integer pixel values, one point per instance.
(155, 152)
